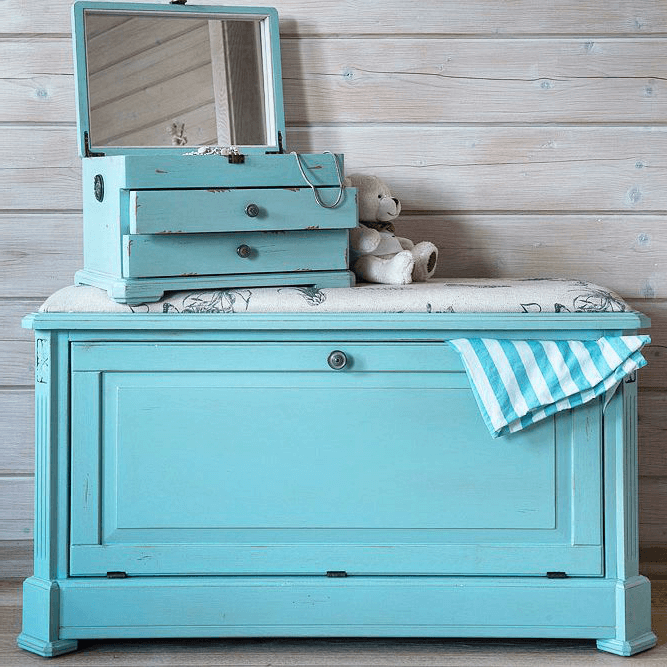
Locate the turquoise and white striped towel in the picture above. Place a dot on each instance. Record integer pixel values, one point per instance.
(519, 382)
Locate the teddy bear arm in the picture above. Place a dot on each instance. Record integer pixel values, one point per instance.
(364, 240)
(406, 244)
(394, 270)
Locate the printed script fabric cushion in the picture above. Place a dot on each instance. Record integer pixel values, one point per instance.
(479, 295)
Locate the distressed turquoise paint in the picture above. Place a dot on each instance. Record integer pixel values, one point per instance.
(300, 469)
(80, 67)
(154, 196)
(224, 210)
(147, 256)
(291, 253)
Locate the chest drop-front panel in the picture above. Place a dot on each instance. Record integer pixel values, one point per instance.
(186, 180)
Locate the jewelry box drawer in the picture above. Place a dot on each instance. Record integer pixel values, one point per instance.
(147, 256)
(238, 210)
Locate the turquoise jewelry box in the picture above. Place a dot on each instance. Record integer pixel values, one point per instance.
(186, 180)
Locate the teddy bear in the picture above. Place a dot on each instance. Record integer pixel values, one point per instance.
(377, 254)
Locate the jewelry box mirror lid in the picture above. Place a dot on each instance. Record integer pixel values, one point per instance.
(176, 78)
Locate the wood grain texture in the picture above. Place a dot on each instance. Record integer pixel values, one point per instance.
(32, 56)
(15, 563)
(39, 253)
(598, 248)
(36, 82)
(652, 502)
(458, 80)
(16, 508)
(654, 375)
(11, 314)
(531, 168)
(652, 435)
(419, 81)
(17, 431)
(16, 358)
(527, 168)
(640, 17)
(17, 364)
(23, 148)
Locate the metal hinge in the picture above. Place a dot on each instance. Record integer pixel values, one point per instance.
(281, 149)
(116, 575)
(556, 575)
(336, 573)
(86, 147)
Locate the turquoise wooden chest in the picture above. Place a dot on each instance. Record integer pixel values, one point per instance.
(186, 179)
(237, 474)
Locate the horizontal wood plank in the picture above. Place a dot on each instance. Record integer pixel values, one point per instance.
(459, 80)
(17, 364)
(16, 361)
(34, 148)
(17, 431)
(40, 98)
(35, 56)
(653, 434)
(36, 84)
(419, 81)
(16, 508)
(40, 188)
(598, 248)
(652, 511)
(642, 17)
(527, 168)
(11, 314)
(16, 560)
(654, 375)
(550, 168)
(39, 253)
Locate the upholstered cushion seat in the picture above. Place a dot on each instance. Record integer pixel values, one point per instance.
(480, 295)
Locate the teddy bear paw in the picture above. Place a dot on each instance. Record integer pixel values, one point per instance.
(426, 257)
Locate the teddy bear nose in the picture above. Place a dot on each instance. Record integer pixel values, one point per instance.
(395, 201)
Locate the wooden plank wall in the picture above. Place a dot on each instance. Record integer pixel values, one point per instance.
(525, 138)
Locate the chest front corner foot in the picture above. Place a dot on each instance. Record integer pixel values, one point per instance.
(628, 647)
(47, 649)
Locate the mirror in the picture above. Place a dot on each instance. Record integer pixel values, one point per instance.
(167, 80)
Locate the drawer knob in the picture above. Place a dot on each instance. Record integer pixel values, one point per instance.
(252, 210)
(244, 251)
(337, 360)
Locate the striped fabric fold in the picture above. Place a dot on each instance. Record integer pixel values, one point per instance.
(519, 382)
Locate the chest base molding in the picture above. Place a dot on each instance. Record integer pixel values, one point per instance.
(144, 607)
